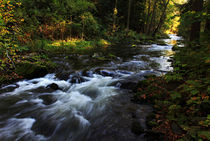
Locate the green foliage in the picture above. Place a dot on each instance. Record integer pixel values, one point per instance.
(90, 25)
(182, 95)
(8, 34)
(188, 17)
(52, 19)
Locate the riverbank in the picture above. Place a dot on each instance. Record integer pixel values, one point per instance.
(180, 98)
(36, 58)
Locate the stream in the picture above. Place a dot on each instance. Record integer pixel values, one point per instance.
(86, 104)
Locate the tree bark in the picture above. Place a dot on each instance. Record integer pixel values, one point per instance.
(207, 26)
(114, 17)
(129, 13)
(148, 16)
(197, 6)
(153, 17)
(162, 18)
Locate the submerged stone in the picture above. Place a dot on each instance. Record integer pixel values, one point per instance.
(77, 79)
(47, 99)
(53, 86)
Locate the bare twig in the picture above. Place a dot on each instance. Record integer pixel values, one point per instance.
(10, 59)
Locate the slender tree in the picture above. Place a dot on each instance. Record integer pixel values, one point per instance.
(197, 6)
(129, 13)
(147, 16)
(114, 17)
(162, 18)
(151, 24)
(207, 26)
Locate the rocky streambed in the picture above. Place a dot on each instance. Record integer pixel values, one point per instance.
(85, 100)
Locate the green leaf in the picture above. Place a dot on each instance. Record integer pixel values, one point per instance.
(176, 95)
(208, 117)
(194, 92)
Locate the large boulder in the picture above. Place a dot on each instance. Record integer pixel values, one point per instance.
(47, 99)
(77, 79)
(53, 86)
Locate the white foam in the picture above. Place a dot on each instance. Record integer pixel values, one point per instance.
(37, 100)
(21, 102)
(12, 85)
(26, 85)
(83, 122)
(16, 128)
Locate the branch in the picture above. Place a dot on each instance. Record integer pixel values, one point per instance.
(10, 59)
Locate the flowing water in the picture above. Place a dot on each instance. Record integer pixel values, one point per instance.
(89, 105)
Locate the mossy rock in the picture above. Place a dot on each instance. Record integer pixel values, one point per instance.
(29, 70)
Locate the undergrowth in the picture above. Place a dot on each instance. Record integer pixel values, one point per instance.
(181, 96)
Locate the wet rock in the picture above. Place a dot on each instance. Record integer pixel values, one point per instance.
(133, 65)
(95, 55)
(29, 70)
(53, 86)
(42, 90)
(85, 61)
(77, 79)
(82, 57)
(87, 73)
(63, 75)
(47, 99)
(8, 88)
(43, 127)
(124, 72)
(131, 81)
(105, 72)
(73, 57)
(136, 128)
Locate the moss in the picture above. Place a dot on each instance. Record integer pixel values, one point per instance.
(30, 70)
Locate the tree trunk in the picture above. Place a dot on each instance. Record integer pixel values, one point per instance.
(83, 28)
(207, 26)
(71, 28)
(129, 13)
(162, 18)
(197, 6)
(114, 17)
(153, 17)
(148, 16)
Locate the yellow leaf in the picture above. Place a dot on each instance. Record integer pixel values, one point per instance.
(207, 61)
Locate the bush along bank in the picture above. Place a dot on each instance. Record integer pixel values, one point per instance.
(26, 66)
(180, 98)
